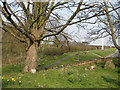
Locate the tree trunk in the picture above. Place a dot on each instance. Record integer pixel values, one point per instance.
(31, 59)
(119, 54)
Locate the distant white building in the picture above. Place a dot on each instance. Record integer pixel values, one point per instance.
(102, 44)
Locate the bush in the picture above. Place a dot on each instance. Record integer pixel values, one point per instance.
(52, 51)
(13, 51)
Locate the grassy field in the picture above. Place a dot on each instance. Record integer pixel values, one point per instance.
(68, 77)
(83, 56)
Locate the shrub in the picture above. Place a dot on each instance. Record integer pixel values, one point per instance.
(13, 51)
(52, 51)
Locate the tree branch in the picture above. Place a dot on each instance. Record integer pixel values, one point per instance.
(111, 26)
(10, 30)
(67, 23)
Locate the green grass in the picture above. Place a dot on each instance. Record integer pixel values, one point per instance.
(46, 60)
(81, 57)
(105, 52)
(69, 77)
(51, 59)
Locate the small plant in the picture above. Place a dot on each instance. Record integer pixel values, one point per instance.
(71, 78)
(74, 77)
(11, 81)
(70, 72)
(40, 64)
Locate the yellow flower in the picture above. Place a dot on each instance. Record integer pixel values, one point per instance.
(19, 81)
(19, 77)
(3, 77)
(13, 79)
(8, 80)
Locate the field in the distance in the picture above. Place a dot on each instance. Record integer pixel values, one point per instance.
(83, 56)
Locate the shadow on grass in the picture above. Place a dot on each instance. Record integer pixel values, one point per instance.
(112, 81)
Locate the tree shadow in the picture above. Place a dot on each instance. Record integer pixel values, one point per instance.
(112, 81)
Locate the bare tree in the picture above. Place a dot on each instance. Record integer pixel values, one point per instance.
(108, 24)
(112, 31)
(27, 21)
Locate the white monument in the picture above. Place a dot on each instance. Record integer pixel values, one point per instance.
(102, 43)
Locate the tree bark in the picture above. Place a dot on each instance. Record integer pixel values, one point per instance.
(119, 53)
(31, 59)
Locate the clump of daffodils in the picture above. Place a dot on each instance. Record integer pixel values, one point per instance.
(19, 77)
(20, 82)
(11, 81)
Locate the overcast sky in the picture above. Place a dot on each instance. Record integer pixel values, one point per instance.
(79, 35)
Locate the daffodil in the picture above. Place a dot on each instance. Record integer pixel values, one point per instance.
(19, 77)
(8, 80)
(3, 77)
(13, 79)
(19, 82)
